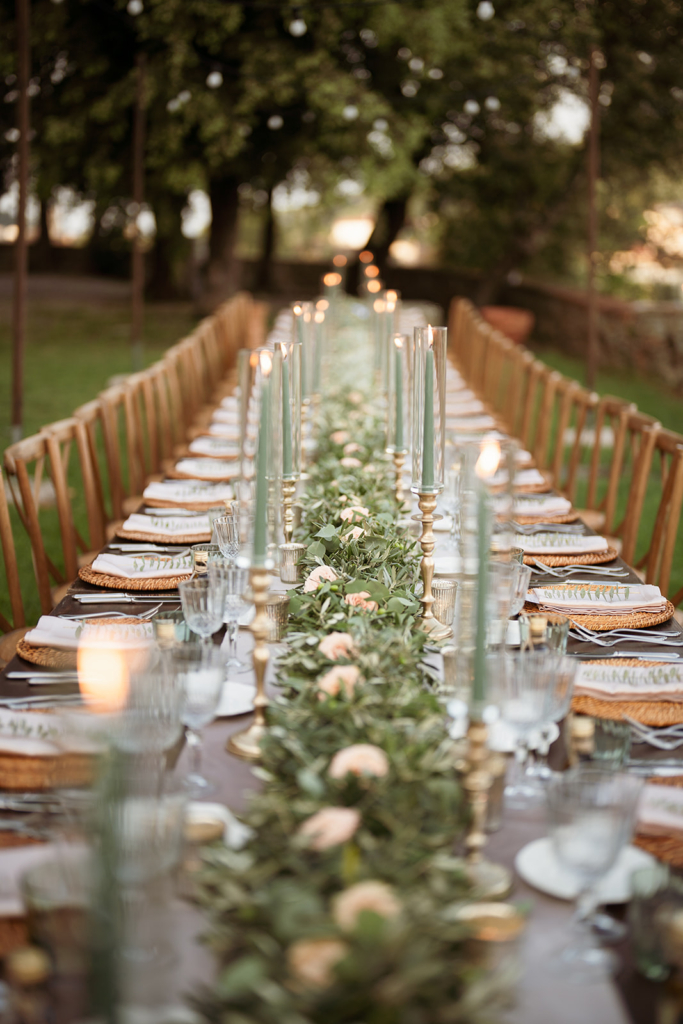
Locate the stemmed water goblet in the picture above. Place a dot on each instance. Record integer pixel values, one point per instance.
(235, 583)
(227, 530)
(203, 601)
(591, 816)
(199, 670)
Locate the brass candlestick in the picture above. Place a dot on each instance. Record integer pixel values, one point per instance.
(247, 744)
(427, 621)
(493, 881)
(288, 491)
(399, 459)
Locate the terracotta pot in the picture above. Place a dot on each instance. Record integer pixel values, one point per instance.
(516, 324)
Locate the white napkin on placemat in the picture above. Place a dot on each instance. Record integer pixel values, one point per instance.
(541, 505)
(230, 402)
(585, 598)
(226, 416)
(168, 525)
(561, 544)
(612, 681)
(217, 447)
(144, 566)
(66, 634)
(466, 407)
(220, 469)
(228, 431)
(660, 811)
(191, 492)
(469, 423)
(529, 478)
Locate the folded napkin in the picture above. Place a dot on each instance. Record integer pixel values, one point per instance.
(468, 423)
(168, 525)
(218, 469)
(143, 567)
(226, 416)
(230, 402)
(598, 598)
(541, 505)
(660, 811)
(622, 682)
(216, 447)
(561, 544)
(227, 431)
(468, 407)
(182, 492)
(529, 478)
(66, 634)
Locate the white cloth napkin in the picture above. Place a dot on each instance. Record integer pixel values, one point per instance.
(467, 407)
(144, 566)
(612, 681)
(182, 492)
(221, 415)
(660, 811)
(53, 632)
(465, 424)
(599, 599)
(529, 478)
(168, 525)
(216, 447)
(218, 469)
(541, 505)
(561, 544)
(227, 431)
(230, 402)
(66, 634)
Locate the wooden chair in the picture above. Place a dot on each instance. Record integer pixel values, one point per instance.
(636, 463)
(657, 560)
(13, 628)
(573, 419)
(610, 430)
(25, 465)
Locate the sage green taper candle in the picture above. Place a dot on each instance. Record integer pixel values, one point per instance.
(428, 430)
(479, 681)
(261, 509)
(398, 379)
(286, 418)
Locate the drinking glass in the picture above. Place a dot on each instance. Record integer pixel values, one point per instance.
(149, 723)
(203, 601)
(591, 815)
(559, 699)
(548, 628)
(235, 583)
(520, 689)
(450, 500)
(444, 592)
(202, 554)
(519, 585)
(200, 672)
(227, 531)
(656, 897)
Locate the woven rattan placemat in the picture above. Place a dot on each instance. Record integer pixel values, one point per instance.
(568, 517)
(193, 506)
(124, 583)
(56, 657)
(158, 538)
(668, 849)
(175, 474)
(588, 558)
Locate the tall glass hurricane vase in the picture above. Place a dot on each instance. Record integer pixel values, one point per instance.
(428, 410)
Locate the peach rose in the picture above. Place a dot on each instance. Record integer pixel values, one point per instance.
(339, 436)
(337, 645)
(355, 397)
(359, 759)
(360, 600)
(311, 961)
(354, 512)
(350, 463)
(370, 468)
(330, 826)
(341, 677)
(318, 576)
(351, 447)
(374, 896)
(353, 534)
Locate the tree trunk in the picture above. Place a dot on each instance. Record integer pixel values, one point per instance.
(264, 274)
(42, 254)
(222, 268)
(169, 257)
(390, 220)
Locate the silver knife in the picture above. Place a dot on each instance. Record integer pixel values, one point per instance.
(655, 656)
(56, 677)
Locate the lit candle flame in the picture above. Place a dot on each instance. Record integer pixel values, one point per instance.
(488, 461)
(391, 295)
(266, 363)
(284, 348)
(322, 304)
(253, 360)
(297, 309)
(398, 341)
(103, 676)
(430, 336)
(319, 317)
(379, 305)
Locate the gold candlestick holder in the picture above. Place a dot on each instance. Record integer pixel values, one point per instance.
(288, 492)
(428, 621)
(399, 459)
(492, 881)
(247, 744)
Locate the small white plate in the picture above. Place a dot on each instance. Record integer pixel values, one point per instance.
(236, 699)
(537, 864)
(235, 835)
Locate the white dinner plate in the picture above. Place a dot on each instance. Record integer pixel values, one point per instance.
(235, 833)
(537, 864)
(236, 699)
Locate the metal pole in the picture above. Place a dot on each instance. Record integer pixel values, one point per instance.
(20, 246)
(138, 260)
(593, 174)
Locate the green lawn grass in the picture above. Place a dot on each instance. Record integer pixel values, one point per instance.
(72, 351)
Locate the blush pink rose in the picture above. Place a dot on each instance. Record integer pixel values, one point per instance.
(339, 436)
(354, 512)
(351, 447)
(330, 826)
(342, 677)
(311, 961)
(349, 462)
(359, 759)
(318, 576)
(360, 600)
(371, 895)
(354, 534)
(337, 645)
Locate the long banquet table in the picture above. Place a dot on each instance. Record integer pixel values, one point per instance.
(543, 995)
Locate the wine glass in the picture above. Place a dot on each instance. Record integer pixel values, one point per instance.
(200, 672)
(227, 531)
(559, 699)
(203, 601)
(591, 815)
(519, 586)
(235, 582)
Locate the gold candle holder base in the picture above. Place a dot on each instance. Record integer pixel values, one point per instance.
(247, 743)
(492, 881)
(399, 459)
(428, 621)
(288, 492)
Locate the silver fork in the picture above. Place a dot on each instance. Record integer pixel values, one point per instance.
(529, 529)
(560, 571)
(114, 614)
(610, 640)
